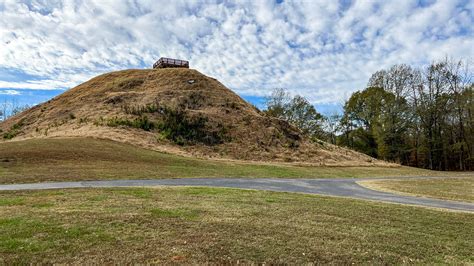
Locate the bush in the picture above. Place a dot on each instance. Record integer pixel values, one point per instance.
(176, 125)
(18, 125)
(10, 134)
(14, 130)
(142, 122)
(141, 109)
(183, 129)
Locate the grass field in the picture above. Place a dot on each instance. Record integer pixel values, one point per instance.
(91, 159)
(196, 225)
(460, 189)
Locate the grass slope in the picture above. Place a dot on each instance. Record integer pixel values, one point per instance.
(197, 225)
(91, 159)
(460, 189)
(174, 110)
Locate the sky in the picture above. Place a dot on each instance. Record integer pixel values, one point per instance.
(323, 50)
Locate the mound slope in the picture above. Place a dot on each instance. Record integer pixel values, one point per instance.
(174, 110)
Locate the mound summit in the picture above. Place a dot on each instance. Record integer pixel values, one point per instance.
(174, 110)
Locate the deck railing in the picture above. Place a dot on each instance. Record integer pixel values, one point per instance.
(170, 62)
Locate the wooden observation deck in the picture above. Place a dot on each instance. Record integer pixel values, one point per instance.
(169, 62)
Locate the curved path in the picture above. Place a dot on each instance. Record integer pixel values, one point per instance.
(330, 187)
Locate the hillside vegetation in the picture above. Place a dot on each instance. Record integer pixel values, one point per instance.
(178, 111)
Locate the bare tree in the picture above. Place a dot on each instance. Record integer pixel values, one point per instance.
(277, 103)
(397, 80)
(10, 108)
(4, 107)
(332, 125)
(459, 78)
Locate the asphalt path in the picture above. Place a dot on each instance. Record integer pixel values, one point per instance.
(329, 187)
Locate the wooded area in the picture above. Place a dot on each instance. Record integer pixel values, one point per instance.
(420, 117)
(417, 117)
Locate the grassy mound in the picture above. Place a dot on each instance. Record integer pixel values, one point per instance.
(175, 110)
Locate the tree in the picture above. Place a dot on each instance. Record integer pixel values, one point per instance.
(297, 111)
(277, 103)
(419, 117)
(303, 115)
(397, 80)
(371, 118)
(10, 108)
(459, 78)
(332, 126)
(4, 107)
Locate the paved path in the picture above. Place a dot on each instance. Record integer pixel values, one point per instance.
(330, 187)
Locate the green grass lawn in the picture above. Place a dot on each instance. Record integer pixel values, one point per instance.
(460, 189)
(197, 225)
(90, 159)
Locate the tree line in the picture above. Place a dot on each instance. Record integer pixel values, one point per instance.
(10, 108)
(422, 117)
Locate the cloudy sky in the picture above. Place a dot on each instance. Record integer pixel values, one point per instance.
(321, 49)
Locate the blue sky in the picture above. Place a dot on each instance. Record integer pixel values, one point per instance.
(323, 50)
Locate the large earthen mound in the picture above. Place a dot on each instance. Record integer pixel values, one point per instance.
(174, 110)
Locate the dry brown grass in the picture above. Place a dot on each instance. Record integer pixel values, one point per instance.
(61, 159)
(224, 226)
(452, 188)
(84, 111)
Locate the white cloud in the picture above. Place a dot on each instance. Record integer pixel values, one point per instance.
(323, 50)
(34, 85)
(10, 92)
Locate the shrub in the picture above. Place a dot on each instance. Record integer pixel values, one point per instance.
(176, 125)
(10, 134)
(142, 122)
(14, 130)
(141, 109)
(183, 129)
(18, 125)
